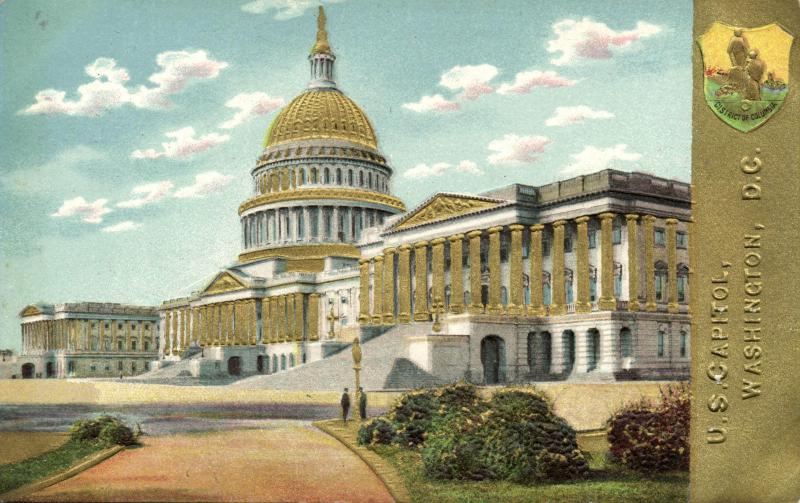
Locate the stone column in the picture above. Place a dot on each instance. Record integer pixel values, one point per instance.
(335, 223)
(649, 264)
(476, 304)
(291, 330)
(377, 290)
(363, 291)
(495, 273)
(404, 284)
(388, 286)
(437, 270)
(195, 320)
(281, 318)
(456, 274)
(421, 281)
(264, 319)
(633, 262)
(536, 307)
(306, 224)
(174, 334)
(672, 264)
(558, 304)
(583, 304)
(608, 301)
(167, 325)
(517, 296)
(299, 315)
(313, 317)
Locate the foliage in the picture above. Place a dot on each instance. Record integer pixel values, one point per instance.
(25, 472)
(107, 430)
(378, 430)
(653, 437)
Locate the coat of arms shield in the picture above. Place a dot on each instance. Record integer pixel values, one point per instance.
(746, 72)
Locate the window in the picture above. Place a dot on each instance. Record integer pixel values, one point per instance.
(616, 234)
(119, 365)
(617, 280)
(682, 288)
(133, 345)
(684, 343)
(568, 286)
(592, 239)
(133, 366)
(546, 247)
(682, 240)
(119, 345)
(567, 244)
(592, 284)
(350, 177)
(661, 281)
(93, 368)
(625, 343)
(547, 297)
(660, 342)
(659, 236)
(147, 345)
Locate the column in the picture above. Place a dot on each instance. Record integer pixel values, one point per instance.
(377, 290)
(363, 291)
(404, 284)
(456, 274)
(516, 303)
(388, 286)
(476, 304)
(264, 320)
(421, 281)
(583, 304)
(536, 307)
(174, 331)
(273, 319)
(633, 264)
(608, 302)
(281, 319)
(335, 224)
(299, 329)
(672, 264)
(495, 273)
(557, 306)
(437, 272)
(649, 264)
(313, 317)
(214, 319)
(166, 324)
(294, 222)
(195, 322)
(306, 224)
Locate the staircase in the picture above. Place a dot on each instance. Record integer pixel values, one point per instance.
(179, 373)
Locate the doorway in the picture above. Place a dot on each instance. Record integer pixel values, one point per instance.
(234, 366)
(493, 359)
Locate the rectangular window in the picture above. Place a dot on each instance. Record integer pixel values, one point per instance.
(616, 235)
(684, 344)
(567, 245)
(660, 344)
(546, 247)
(592, 239)
(659, 236)
(681, 288)
(682, 240)
(119, 365)
(660, 280)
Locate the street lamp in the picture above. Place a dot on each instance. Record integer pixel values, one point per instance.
(356, 350)
(332, 318)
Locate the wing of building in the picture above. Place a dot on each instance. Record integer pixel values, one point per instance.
(586, 278)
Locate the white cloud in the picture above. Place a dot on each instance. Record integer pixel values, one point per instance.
(185, 143)
(424, 170)
(588, 39)
(152, 192)
(435, 103)
(88, 212)
(60, 171)
(514, 149)
(564, 116)
(284, 9)
(525, 81)
(472, 80)
(250, 105)
(108, 89)
(592, 159)
(127, 225)
(204, 184)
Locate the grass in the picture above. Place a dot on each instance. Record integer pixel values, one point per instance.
(15, 475)
(609, 483)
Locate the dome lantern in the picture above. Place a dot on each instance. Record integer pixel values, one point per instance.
(321, 57)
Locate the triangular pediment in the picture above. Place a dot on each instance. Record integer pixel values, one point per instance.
(224, 282)
(445, 206)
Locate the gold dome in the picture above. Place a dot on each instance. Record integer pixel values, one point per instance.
(318, 114)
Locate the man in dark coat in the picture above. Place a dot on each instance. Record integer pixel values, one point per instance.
(362, 403)
(345, 405)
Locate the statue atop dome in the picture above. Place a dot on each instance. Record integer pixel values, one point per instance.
(321, 46)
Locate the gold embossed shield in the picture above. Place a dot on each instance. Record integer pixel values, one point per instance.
(746, 72)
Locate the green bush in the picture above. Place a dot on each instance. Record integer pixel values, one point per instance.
(377, 431)
(514, 436)
(105, 429)
(653, 437)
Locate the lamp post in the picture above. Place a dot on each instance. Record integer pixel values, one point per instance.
(332, 318)
(356, 350)
(438, 309)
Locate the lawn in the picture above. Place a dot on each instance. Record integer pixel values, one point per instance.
(18, 474)
(608, 483)
(20, 445)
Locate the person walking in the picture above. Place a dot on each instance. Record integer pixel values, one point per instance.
(362, 403)
(345, 402)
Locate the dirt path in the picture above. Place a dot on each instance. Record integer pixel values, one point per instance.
(282, 462)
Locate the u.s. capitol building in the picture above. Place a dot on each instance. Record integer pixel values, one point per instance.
(582, 279)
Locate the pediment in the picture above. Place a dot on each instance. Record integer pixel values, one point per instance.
(443, 207)
(224, 282)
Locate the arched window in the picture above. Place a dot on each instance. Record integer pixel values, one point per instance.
(274, 363)
(302, 177)
(360, 178)
(338, 176)
(683, 282)
(661, 281)
(350, 177)
(369, 179)
(326, 176)
(625, 343)
(684, 344)
(291, 360)
(283, 362)
(313, 175)
(660, 343)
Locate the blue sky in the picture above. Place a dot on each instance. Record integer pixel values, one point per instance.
(464, 97)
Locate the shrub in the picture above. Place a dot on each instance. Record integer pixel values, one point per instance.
(455, 449)
(653, 437)
(377, 431)
(116, 434)
(106, 429)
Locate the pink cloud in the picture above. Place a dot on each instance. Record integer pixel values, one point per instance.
(185, 143)
(514, 149)
(435, 103)
(588, 39)
(524, 82)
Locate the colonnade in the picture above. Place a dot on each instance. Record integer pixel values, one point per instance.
(398, 287)
(88, 335)
(243, 322)
(307, 224)
(341, 174)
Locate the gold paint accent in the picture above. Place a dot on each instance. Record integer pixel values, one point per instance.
(607, 301)
(377, 290)
(633, 262)
(321, 46)
(321, 114)
(672, 265)
(281, 319)
(495, 274)
(516, 304)
(274, 320)
(302, 254)
(346, 194)
(583, 304)
(536, 308)
(388, 286)
(437, 270)
(421, 312)
(476, 304)
(299, 317)
(225, 282)
(444, 207)
(649, 263)
(363, 291)
(558, 304)
(313, 316)
(456, 274)
(404, 284)
(30, 311)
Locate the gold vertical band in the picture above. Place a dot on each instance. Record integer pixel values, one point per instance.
(421, 281)
(516, 303)
(313, 317)
(536, 307)
(363, 291)
(377, 290)
(557, 306)
(672, 265)
(607, 299)
(456, 274)
(476, 303)
(633, 261)
(388, 286)
(583, 304)
(649, 264)
(495, 273)
(404, 284)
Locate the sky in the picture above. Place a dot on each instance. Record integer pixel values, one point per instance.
(128, 128)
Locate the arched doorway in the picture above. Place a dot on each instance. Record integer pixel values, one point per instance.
(493, 358)
(485, 295)
(234, 366)
(568, 341)
(593, 349)
(70, 368)
(260, 364)
(539, 353)
(50, 369)
(28, 371)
